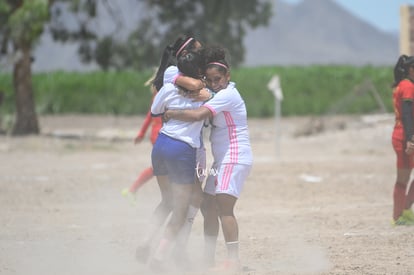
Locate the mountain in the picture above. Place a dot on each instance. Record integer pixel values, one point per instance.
(310, 32)
(318, 32)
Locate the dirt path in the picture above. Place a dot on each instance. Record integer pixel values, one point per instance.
(323, 206)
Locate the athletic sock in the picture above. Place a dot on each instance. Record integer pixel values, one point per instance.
(233, 250)
(145, 176)
(399, 200)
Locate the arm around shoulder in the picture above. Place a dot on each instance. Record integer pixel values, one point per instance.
(188, 115)
(189, 83)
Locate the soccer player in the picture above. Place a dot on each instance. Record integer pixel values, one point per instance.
(403, 139)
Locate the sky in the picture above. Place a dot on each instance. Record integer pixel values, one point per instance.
(383, 14)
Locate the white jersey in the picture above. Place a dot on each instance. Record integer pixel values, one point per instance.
(169, 98)
(171, 74)
(230, 142)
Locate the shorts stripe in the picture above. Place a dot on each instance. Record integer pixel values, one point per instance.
(228, 169)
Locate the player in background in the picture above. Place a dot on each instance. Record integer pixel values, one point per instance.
(147, 173)
(403, 139)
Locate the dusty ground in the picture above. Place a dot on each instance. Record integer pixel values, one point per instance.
(313, 204)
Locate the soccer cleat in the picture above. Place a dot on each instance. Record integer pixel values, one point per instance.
(408, 215)
(402, 220)
(129, 196)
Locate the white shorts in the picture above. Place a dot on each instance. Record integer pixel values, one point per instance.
(228, 179)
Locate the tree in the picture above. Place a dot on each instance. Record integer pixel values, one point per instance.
(21, 24)
(211, 21)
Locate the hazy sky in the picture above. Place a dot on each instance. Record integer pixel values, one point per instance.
(384, 14)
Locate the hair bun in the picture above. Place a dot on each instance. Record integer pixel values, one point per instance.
(214, 53)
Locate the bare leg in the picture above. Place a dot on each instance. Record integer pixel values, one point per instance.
(142, 178)
(229, 224)
(211, 227)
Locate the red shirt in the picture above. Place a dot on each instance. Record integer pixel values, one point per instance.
(403, 91)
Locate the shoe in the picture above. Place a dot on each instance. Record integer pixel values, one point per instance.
(143, 253)
(129, 196)
(408, 215)
(402, 220)
(228, 265)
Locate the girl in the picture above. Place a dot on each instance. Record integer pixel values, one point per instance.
(402, 139)
(174, 153)
(168, 73)
(147, 173)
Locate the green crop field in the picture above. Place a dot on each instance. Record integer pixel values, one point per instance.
(311, 90)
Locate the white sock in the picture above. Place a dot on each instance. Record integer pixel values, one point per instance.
(233, 250)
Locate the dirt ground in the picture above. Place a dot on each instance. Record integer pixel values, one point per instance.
(318, 200)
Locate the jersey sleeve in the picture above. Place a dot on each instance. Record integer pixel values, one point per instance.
(160, 100)
(171, 74)
(221, 102)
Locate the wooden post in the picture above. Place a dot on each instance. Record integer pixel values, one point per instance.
(407, 30)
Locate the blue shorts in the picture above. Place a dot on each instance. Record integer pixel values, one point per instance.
(174, 158)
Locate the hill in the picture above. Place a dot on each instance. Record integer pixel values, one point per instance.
(318, 32)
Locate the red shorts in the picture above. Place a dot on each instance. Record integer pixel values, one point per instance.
(404, 161)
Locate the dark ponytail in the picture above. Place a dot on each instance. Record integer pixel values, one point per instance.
(167, 60)
(170, 56)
